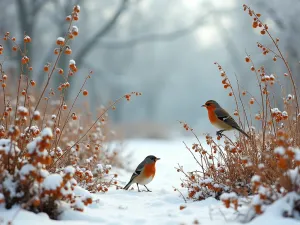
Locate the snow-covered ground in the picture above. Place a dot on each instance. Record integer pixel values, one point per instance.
(161, 206)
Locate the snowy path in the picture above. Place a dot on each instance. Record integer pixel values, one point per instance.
(160, 207)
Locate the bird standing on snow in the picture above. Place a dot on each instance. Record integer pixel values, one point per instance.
(220, 118)
(144, 173)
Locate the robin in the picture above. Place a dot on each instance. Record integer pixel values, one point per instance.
(221, 119)
(144, 173)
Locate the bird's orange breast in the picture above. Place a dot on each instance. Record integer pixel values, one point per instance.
(211, 115)
(149, 170)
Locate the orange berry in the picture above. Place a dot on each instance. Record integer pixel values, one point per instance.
(85, 93)
(76, 8)
(74, 69)
(24, 60)
(61, 71)
(266, 27)
(74, 117)
(75, 33)
(68, 51)
(68, 18)
(230, 94)
(36, 202)
(14, 48)
(23, 92)
(30, 68)
(60, 41)
(71, 36)
(247, 59)
(254, 24)
(27, 39)
(244, 93)
(32, 82)
(46, 68)
(274, 59)
(36, 116)
(56, 51)
(13, 39)
(4, 77)
(65, 107)
(252, 68)
(262, 32)
(3, 85)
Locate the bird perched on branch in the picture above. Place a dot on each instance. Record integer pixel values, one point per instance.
(221, 119)
(144, 173)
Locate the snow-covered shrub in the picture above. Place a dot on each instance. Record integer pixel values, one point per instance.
(265, 167)
(46, 148)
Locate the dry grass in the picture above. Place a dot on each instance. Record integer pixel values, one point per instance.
(266, 166)
(46, 148)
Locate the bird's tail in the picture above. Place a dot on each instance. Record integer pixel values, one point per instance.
(128, 185)
(243, 132)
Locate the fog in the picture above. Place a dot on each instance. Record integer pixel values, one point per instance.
(164, 49)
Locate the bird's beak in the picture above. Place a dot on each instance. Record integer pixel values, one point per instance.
(203, 106)
(157, 159)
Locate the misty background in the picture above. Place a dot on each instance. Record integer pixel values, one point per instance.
(164, 49)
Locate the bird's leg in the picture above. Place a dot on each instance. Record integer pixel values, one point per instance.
(147, 189)
(219, 133)
(138, 187)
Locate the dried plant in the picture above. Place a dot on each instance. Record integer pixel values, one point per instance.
(265, 166)
(46, 148)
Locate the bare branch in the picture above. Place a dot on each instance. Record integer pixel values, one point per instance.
(104, 30)
(37, 6)
(158, 37)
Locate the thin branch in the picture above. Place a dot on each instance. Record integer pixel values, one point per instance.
(104, 30)
(157, 36)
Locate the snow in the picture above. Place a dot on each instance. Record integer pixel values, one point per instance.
(36, 113)
(22, 109)
(255, 178)
(72, 62)
(160, 207)
(26, 169)
(31, 146)
(52, 182)
(279, 150)
(47, 132)
(69, 170)
(61, 39)
(5, 147)
(227, 196)
(75, 28)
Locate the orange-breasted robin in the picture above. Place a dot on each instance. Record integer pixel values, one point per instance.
(144, 173)
(221, 119)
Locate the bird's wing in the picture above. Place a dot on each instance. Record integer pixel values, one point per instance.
(138, 170)
(224, 116)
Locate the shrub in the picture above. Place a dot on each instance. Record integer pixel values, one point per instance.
(46, 148)
(265, 166)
